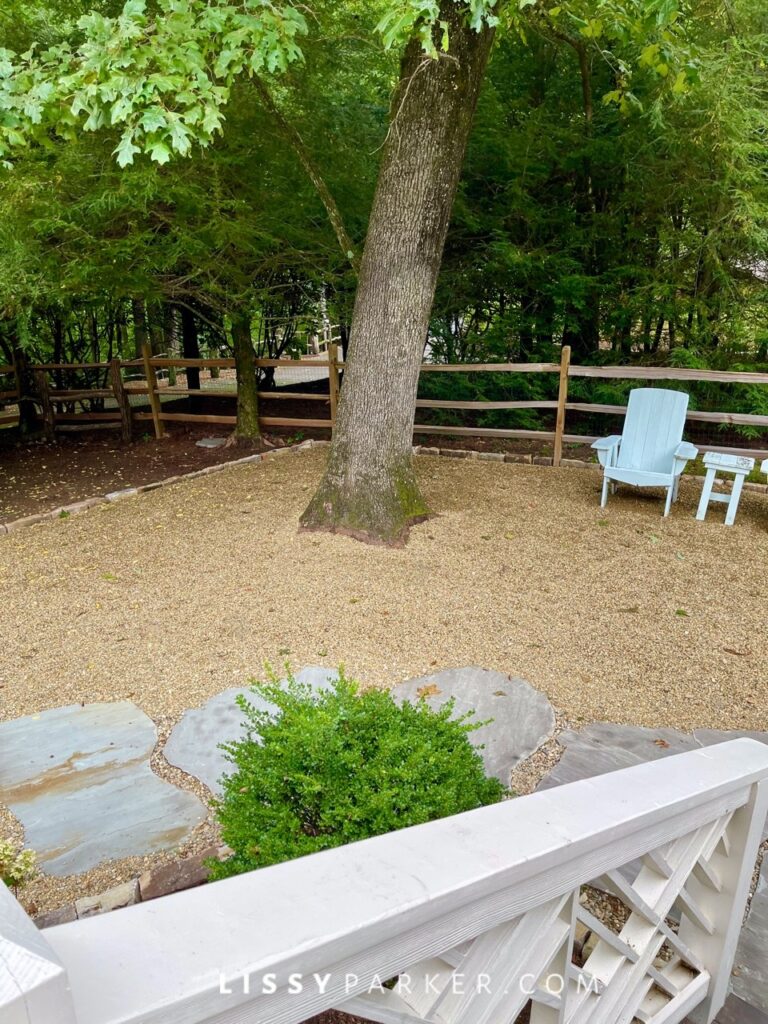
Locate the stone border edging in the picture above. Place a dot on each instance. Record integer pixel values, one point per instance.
(163, 880)
(78, 507)
(542, 460)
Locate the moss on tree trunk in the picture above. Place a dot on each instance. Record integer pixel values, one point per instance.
(369, 489)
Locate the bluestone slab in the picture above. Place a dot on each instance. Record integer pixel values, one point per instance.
(79, 780)
(521, 718)
(750, 979)
(193, 744)
(606, 747)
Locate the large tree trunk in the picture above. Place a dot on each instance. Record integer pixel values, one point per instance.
(369, 489)
(247, 430)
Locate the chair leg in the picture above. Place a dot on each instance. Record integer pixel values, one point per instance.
(676, 493)
(604, 499)
(668, 505)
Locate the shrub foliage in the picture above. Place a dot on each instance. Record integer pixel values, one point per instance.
(321, 770)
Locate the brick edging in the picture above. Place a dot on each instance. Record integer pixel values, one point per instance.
(542, 460)
(78, 507)
(176, 876)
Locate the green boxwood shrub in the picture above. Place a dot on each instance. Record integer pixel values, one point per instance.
(326, 769)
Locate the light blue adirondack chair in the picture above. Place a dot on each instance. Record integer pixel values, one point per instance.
(651, 451)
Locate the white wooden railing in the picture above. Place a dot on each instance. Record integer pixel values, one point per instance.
(473, 914)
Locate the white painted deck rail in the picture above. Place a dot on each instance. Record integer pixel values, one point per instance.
(475, 914)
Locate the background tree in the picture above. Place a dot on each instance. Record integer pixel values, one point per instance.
(614, 197)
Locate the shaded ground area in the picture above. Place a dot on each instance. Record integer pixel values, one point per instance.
(36, 476)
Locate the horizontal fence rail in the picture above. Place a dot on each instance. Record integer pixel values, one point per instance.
(489, 899)
(59, 413)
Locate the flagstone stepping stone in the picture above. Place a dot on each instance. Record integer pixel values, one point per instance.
(193, 744)
(750, 978)
(211, 442)
(79, 780)
(606, 747)
(521, 718)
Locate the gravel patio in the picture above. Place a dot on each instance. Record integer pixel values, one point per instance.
(170, 597)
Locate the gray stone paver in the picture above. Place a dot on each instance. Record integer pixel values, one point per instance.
(605, 747)
(79, 780)
(193, 744)
(521, 717)
(750, 980)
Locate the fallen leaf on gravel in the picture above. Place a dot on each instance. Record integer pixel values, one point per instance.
(739, 654)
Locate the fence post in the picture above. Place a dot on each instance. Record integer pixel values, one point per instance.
(562, 399)
(124, 406)
(723, 900)
(333, 375)
(154, 398)
(44, 394)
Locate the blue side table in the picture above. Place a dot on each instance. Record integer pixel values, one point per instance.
(717, 462)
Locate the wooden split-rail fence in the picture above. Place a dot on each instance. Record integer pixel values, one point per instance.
(56, 404)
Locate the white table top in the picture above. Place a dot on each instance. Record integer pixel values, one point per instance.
(729, 463)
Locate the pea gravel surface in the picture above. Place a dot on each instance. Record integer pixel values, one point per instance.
(172, 596)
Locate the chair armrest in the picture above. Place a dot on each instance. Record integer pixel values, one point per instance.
(686, 451)
(764, 467)
(607, 448)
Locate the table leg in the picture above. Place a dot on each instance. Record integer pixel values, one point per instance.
(706, 492)
(733, 504)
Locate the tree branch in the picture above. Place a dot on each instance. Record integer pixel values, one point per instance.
(331, 208)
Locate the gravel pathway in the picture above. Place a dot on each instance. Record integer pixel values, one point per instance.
(170, 597)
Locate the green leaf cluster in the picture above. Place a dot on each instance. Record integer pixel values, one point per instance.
(322, 770)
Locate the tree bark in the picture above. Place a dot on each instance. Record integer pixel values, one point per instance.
(25, 384)
(247, 430)
(190, 346)
(313, 172)
(369, 489)
(139, 326)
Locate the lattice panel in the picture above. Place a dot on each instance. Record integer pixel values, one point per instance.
(643, 973)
